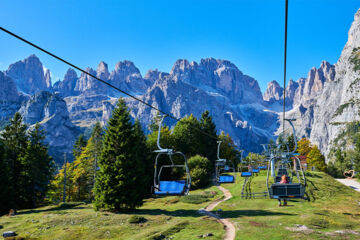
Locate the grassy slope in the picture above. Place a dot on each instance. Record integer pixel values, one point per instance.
(167, 216)
(336, 207)
(332, 207)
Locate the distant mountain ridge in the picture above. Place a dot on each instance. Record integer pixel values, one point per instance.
(234, 99)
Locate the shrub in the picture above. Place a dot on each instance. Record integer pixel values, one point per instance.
(68, 205)
(200, 171)
(194, 199)
(136, 219)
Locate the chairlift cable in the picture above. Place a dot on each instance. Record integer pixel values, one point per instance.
(285, 50)
(100, 80)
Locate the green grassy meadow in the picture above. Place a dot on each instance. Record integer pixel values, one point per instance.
(332, 207)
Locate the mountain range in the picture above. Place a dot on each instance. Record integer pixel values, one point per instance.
(323, 102)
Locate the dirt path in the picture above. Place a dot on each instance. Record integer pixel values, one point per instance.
(351, 183)
(228, 225)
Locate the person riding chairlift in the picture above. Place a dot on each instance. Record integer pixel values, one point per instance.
(283, 181)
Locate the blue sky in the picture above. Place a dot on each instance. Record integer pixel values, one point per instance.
(154, 34)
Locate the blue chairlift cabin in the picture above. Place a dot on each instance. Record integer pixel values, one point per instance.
(170, 187)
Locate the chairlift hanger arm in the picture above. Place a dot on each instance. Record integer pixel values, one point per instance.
(218, 150)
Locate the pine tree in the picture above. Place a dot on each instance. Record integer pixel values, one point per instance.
(290, 141)
(15, 142)
(118, 180)
(4, 180)
(209, 144)
(85, 165)
(38, 167)
(79, 145)
(143, 158)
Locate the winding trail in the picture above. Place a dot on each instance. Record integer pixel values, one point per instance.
(228, 225)
(350, 183)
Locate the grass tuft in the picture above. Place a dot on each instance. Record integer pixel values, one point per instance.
(136, 219)
(194, 199)
(171, 231)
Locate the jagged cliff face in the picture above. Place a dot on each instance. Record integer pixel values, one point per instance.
(340, 100)
(274, 92)
(67, 86)
(311, 87)
(246, 123)
(8, 90)
(10, 99)
(304, 95)
(329, 97)
(29, 75)
(126, 76)
(219, 77)
(50, 110)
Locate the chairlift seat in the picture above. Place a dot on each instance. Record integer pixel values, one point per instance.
(256, 170)
(226, 179)
(246, 174)
(288, 190)
(171, 187)
(262, 167)
(282, 171)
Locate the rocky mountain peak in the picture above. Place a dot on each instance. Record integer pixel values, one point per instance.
(274, 92)
(48, 78)
(291, 91)
(181, 65)
(102, 71)
(153, 75)
(67, 86)
(89, 85)
(102, 67)
(29, 75)
(127, 67)
(70, 75)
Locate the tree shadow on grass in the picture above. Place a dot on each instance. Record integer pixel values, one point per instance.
(52, 209)
(195, 213)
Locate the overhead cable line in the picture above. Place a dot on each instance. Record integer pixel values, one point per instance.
(285, 50)
(98, 79)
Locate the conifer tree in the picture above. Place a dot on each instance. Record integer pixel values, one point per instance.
(85, 165)
(209, 144)
(38, 168)
(15, 142)
(4, 180)
(143, 157)
(118, 179)
(290, 141)
(79, 145)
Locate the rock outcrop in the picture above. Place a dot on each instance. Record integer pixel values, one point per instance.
(50, 111)
(218, 77)
(67, 86)
(328, 98)
(29, 75)
(274, 92)
(8, 90)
